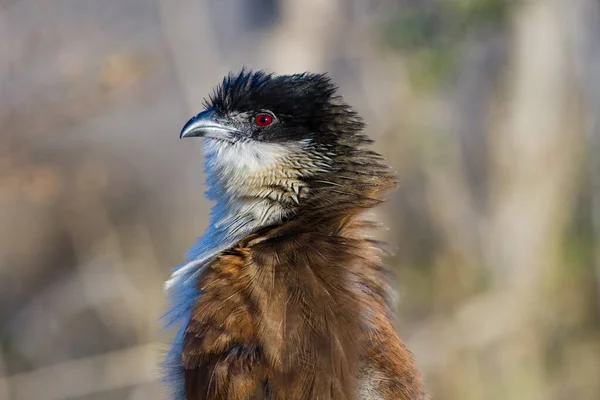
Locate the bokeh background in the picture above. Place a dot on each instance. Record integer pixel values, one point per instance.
(488, 110)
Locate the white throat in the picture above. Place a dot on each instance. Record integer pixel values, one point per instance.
(254, 184)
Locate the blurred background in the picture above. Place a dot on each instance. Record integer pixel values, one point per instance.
(488, 110)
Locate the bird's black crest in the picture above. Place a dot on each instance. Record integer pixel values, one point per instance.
(286, 95)
(306, 104)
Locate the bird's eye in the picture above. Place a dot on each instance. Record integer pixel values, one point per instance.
(263, 119)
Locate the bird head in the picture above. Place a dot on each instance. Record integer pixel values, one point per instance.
(283, 142)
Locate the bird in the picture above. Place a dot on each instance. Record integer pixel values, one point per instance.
(285, 295)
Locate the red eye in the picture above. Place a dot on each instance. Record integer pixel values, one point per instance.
(263, 120)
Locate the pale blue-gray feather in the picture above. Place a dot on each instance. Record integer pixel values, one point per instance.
(222, 233)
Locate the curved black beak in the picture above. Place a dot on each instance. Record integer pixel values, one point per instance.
(204, 124)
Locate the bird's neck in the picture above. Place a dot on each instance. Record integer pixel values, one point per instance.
(262, 184)
(243, 206)
(248, 199)
(253, 184)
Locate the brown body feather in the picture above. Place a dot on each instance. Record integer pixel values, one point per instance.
(297, 311)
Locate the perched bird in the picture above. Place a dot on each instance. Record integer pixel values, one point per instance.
(285, 295)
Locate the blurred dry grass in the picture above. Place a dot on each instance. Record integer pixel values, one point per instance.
(486, 108)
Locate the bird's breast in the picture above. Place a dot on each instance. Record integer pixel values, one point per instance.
(291, 301)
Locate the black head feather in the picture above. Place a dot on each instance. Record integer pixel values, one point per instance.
(305, 105)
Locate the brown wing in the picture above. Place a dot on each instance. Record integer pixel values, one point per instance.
(274, 321)
(220, 355)
(282, 319)
(389, 370)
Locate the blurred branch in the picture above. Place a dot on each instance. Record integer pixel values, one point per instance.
(440, 339)
(534, 167)
(82, 377)
(584, 40)
(192, 58)
(51, 309)
(302, 40)
(534, 150)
